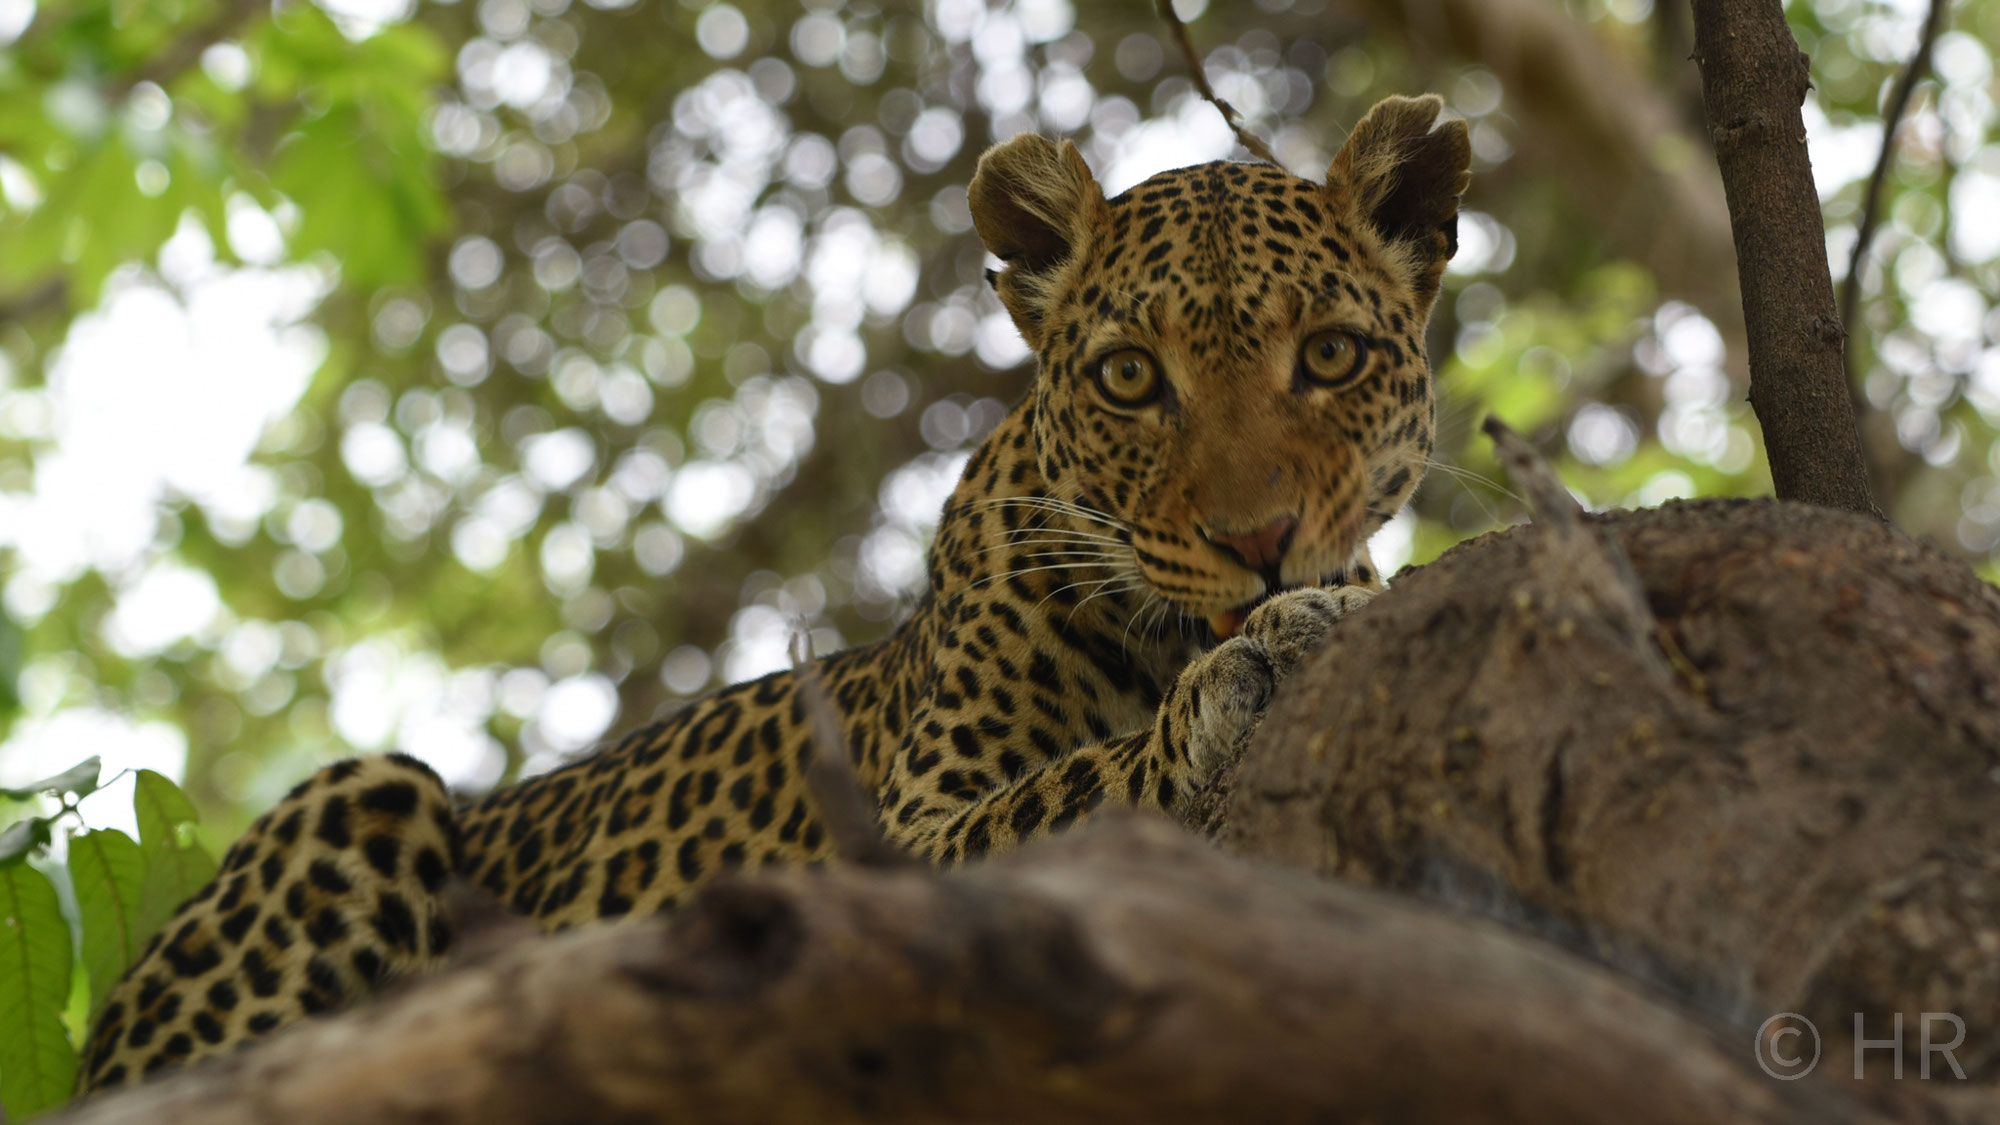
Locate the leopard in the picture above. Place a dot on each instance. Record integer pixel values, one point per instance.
(1232, 393)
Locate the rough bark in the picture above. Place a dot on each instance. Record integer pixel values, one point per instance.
(1754, 78)
(1756, 763)
(1128, 973)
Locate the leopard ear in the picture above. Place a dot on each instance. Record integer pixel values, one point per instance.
(1034, 203)
(1403, 178)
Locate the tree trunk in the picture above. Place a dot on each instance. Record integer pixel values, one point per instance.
(1753, 80)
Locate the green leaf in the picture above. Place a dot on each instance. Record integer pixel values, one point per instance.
(37, 1063)
(105, 221)
(363, 200)
(109, 871)
(80, 779)
(409, 52)
(161, 809)
(174, 870)
(23, 837)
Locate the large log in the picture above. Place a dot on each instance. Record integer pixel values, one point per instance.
(1126, 973)
(1763, 772)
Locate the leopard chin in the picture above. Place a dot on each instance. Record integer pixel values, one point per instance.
(1230, 622)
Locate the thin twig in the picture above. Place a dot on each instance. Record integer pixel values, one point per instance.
(1248, 139)
(1588, 575)
(1548, 500)
(845, 805)
(1892, 120)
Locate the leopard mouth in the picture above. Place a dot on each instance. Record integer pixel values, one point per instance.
(1229, 622)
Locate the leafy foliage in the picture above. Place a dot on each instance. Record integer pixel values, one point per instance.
(114, 166)
(123, 891)
(33, 832)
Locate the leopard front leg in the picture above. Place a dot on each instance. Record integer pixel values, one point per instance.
(1200, 726)
(1220, 698)
(333, 893)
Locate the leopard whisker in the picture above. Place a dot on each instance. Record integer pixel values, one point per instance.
(1077, 559)
(1073, 585)
(1041, 569)
(1102, 591)
(1157, 628)
(1051, 504)
(1065, 532)
(1465, 474)
(1067, 551)
(1180, 620)
(1153, 603)
(1461, 476)
(1080, 544)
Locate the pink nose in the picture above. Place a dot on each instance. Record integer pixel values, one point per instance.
(1261, 549)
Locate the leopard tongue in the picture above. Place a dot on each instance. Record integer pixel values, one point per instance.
(1228, 623)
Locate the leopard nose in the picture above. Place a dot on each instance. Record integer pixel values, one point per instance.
(1260, 550)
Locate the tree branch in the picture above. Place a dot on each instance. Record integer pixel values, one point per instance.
(1126, 973)
(1892, 121)
(1248, 139)
(1754, 78)
(1871, 216)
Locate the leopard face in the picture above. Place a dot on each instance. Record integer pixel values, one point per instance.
(1234, 379)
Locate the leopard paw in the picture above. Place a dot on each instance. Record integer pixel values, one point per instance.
(1292, 626)
(1220, 697)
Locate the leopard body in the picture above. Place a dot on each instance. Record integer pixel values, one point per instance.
(1233, 394)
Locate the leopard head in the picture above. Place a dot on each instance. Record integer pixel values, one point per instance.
(1233, 378)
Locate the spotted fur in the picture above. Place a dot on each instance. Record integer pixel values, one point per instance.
(1067, 652)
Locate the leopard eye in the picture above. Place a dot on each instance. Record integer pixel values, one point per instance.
(1333, 358)
(1129, 377)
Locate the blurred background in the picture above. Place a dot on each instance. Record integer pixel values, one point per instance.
(483, 378)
